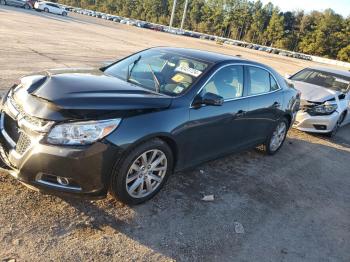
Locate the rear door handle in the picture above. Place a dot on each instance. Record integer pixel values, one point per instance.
(276, 105)
(240, 113)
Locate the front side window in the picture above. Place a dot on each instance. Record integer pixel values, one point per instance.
(227, 82)
(161, 71)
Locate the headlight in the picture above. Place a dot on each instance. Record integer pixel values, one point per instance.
(81, 133)
(324, 109)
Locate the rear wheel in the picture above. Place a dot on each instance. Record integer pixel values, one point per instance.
(142, 173)
(26, 6)
(46, 10)
(337, 125)
(3, 2)
(276, 139)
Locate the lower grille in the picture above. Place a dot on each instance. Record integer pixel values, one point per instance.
(11, 127)
(17, 139)
(23, 143)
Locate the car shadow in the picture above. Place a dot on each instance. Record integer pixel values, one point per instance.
(341, 137)
(251, 188)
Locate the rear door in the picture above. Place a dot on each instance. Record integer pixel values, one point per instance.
(56, 9)
(216, 130)
(52, 8)
(265, 102)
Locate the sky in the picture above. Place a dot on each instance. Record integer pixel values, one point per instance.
(339, 6)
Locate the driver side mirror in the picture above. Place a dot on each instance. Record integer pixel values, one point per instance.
(212, 99)
(209, 99)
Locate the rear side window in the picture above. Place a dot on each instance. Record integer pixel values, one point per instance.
(260, 81)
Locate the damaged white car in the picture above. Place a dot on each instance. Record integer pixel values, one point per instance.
(325, 99)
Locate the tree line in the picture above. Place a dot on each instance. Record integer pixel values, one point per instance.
(325, 34)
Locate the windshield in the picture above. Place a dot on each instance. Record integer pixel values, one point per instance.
(325, 79)
(159, 71)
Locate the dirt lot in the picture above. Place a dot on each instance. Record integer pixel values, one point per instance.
(293, 206)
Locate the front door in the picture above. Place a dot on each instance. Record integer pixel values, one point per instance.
(216, 130)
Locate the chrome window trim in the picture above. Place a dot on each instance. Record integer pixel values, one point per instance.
(241, 97)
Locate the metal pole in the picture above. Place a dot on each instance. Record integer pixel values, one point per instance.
(184, 15)
(172, 15)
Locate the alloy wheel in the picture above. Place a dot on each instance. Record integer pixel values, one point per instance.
(278, 136)
(146, 173)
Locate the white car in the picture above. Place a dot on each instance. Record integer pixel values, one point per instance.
(49, 7)
(325, 99)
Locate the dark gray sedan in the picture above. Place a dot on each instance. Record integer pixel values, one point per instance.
(126, 127)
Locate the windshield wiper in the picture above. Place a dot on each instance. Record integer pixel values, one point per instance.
(129, 71)
(156, 81)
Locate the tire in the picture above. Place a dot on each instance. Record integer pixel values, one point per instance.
(132, 167)
(2, 2)
(64, 13)
(337, 125)
(269, 147)
(26, 6)
(46, 10)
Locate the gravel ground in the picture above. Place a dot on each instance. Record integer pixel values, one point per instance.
(293, 206)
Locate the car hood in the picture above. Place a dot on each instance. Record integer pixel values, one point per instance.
(84, 93)
(314, 93)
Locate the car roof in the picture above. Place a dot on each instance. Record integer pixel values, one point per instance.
(202, 55)
(332, 70)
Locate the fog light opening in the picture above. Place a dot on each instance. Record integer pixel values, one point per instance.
(62, 181)
(57, 181)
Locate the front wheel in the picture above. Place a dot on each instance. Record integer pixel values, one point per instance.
(46, 10)
(26, 6)
(337, 125)
(3, 2)
(64, 13)
(276, 139)
(142, 173)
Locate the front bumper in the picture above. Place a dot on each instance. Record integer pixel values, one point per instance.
(87, 168)
(315, 124)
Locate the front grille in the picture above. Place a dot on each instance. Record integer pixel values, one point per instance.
(32, 120)
(23, 143)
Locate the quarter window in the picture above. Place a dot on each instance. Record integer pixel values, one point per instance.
(227, 82)
(274, 85)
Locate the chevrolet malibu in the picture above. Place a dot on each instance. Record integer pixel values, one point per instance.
(325, 99)
(126, 127)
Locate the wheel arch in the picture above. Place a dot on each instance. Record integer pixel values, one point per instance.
(165, 137)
